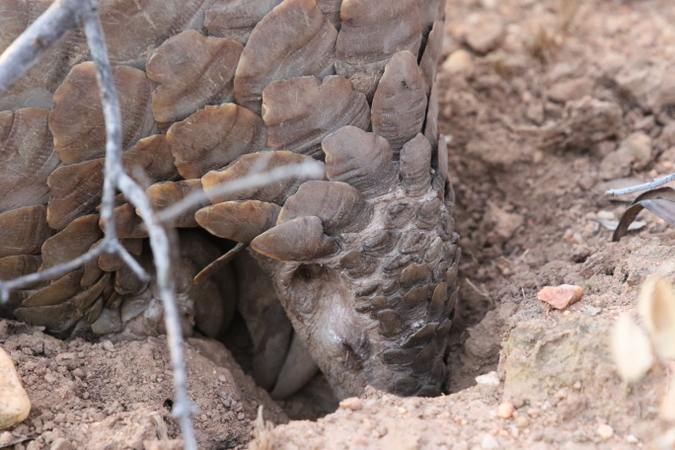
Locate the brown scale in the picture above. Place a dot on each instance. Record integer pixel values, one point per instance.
(354, 271)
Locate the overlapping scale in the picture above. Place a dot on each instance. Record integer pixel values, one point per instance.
(415, 164)
(361, 159)
(431, 123)
(191, 71)
(295, 39)
(340, 206)
(27, 156)
(331, 9)
(365, 264)
(35, 88)
(300, 112)
(373, 31)
(300, 239)
(255, 163)
(167, 193)
(235, 19)
(76, 189)
(431, 54)
(239, 220)
(400, 101)
(71, 242)
(133, 28)
(23, 230)
(77, 118)
(430, 12)
(213, 137)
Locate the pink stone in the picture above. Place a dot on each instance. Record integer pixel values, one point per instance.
(560, 297)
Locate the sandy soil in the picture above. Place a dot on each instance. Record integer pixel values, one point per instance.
(546, 104)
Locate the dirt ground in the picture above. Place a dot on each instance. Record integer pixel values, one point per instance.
(546, 104)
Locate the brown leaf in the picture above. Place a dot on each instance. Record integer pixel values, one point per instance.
(660, 201)
(631, 349)
(656, 305)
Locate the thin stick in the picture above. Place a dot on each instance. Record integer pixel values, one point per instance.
(20, 56)
(36, 40)
(305, 170)
(14, 62)
(159, 240)
(656, 182)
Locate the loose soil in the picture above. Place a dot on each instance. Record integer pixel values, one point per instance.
(545, 105)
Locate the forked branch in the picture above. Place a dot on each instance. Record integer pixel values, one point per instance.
(60, 18)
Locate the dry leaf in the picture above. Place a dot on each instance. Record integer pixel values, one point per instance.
(660, 201)
(612, 225)
(657, 311)
(667, 411)
(631, 349)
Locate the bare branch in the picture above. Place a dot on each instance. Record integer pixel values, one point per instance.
(159, 241)
(36, 40)
(49, 274)
(14, 62)
(59, 19)
(656, 182)
(305, 170)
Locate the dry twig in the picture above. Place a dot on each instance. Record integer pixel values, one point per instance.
(61, 17)
(656, 182)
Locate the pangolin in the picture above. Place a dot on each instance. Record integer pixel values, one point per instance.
(353, 271)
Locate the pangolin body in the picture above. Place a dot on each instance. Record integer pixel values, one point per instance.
(356, 267)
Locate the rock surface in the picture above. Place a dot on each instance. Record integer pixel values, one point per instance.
(14, 402)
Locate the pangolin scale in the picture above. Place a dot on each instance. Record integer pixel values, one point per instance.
(354, 271)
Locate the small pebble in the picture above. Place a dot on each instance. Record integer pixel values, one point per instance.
(538, 157)
(639, 146)
(533, 412)
(489, 379)
(489, 442)
(632, 439)
(5, 438)
(352, 403)
(107, 345)
(568, 90)
(505, 410)
(616, 165)
(61, 444)
(591, 310)
(606, 215)
(560, 297)
(14, 402)
(605, 431)
(522, 422)
(459, 61)
(486, 35)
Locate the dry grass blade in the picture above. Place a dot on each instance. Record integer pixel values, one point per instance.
(667, 410)
(656, 182)
(262, 433)
(659, 201)
(657, 311)
(631, 349)
(549, 40)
